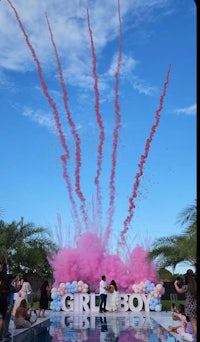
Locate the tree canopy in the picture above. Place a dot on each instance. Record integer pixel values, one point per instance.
(26, 248)
(175, 249)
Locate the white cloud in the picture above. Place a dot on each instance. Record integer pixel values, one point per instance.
(143, 88)
(127, 66)
(70, 31)
(69, 26)
(41, 118)
(191, 110)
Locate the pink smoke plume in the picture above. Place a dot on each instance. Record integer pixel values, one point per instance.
(143, 160)
(115, 134)
(89, 259)
(66, 156)
(73, 129)
(99, 122)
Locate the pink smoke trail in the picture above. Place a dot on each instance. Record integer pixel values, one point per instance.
(63, 241)
(59, 231)
(99, 121)
(73, 129)
(69, 187)
(143, 160)
(66, 156)
(115, 134)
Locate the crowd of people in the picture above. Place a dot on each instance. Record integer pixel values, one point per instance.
(186, 314)
(16, 301)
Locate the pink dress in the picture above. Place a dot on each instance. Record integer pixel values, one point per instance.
(183, 320)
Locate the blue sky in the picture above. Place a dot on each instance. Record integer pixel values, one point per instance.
(155, 34)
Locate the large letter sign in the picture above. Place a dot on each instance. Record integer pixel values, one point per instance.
(79, 302)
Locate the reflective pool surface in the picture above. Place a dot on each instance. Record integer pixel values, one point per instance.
(108, 329)
(98, 328)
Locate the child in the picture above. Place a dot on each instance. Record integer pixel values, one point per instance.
(22, 316)
(178, 315)
(188, 335)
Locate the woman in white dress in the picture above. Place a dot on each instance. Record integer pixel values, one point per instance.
(113, 297)
(22, 294)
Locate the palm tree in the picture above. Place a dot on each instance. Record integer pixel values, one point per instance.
(188, 215)
(172, 250)
(26, 248)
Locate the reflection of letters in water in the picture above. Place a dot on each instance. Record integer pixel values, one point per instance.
(85, 327)
(86, 322)
(79, 302)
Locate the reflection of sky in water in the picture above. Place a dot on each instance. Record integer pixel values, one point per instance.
(107, 328)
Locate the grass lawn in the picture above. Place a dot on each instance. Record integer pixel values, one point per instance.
(36, 305)
(166, 304)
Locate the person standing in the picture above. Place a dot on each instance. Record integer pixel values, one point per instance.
(44, 298)
(6, 304)
(18, 284)
(103, 294)
(190, 290)
(113, 297)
